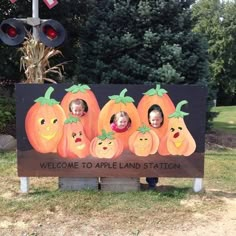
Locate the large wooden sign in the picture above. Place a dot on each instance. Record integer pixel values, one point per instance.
(110, 130)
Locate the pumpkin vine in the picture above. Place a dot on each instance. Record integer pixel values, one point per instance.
(178, 113)
(106, 135)
(78, 88)
(156, 91)
(47, 98)
(122, 98)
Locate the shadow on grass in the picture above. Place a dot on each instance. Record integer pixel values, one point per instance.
(164, 190)
(220, 193)
(225, 126)
(167, 190)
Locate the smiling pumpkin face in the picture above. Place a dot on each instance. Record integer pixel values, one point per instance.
(144, 142)
(74, 142)
(44, 123)
(179, 140)
(106, 146)
(48, 123)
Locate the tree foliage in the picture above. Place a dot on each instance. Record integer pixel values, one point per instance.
(140, 42)
(216, 20)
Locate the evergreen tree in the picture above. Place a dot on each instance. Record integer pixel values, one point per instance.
(130, 41)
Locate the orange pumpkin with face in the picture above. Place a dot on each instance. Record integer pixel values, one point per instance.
(143, 142)
(178, 138)
(89, 120)
(116, 104)
(157, 96)
(44, 122)
(106, 146)
(74, 142)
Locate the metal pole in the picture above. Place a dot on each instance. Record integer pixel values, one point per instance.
(24, 181)
(35, 14)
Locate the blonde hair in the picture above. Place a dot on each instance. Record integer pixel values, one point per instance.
(77, 102)
(121, 114)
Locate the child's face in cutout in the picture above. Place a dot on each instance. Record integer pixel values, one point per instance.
(155, 119)
(77, 110)
(121, 122)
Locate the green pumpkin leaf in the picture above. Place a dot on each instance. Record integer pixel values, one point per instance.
(157, 91)
(71, 119)
(143, 129)
(105, 135)
(78, 88)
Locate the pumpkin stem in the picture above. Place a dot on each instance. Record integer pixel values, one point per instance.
(122, 93)
(49, 92)
(47, 98)
(178, 113)
(121, 98)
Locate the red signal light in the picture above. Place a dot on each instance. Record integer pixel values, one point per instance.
(50, 32)
(9, 30)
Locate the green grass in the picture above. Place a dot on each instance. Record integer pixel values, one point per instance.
(220, 174)
(225, 120)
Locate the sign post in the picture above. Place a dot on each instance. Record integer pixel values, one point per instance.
(24, 181)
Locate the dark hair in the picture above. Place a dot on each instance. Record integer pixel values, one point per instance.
(156, 107)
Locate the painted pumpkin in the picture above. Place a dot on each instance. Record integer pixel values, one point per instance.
(89, 120)
(106, 146)
(156, 96)
(144, 142)
(44, 122)
(116, 104)
(74, 142)
(178, 138)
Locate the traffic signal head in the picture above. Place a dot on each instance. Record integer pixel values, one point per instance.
(12, 32)
(52, 33)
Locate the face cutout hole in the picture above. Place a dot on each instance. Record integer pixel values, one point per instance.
(155, 116)
(120, 122)
(78, 107)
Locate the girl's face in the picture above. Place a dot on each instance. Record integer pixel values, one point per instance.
(121, 122)
(155, 119)
(77, 110)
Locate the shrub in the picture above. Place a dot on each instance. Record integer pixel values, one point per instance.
(7, 112)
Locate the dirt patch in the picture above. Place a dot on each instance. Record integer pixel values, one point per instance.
(218, 221)
(219, 140)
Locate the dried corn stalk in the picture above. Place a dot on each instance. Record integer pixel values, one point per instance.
(35, 61)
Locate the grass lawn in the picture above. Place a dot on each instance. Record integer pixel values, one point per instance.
(225, 120)
(164, 205)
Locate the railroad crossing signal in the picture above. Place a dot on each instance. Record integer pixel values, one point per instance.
(12, 32)
(51, 32)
